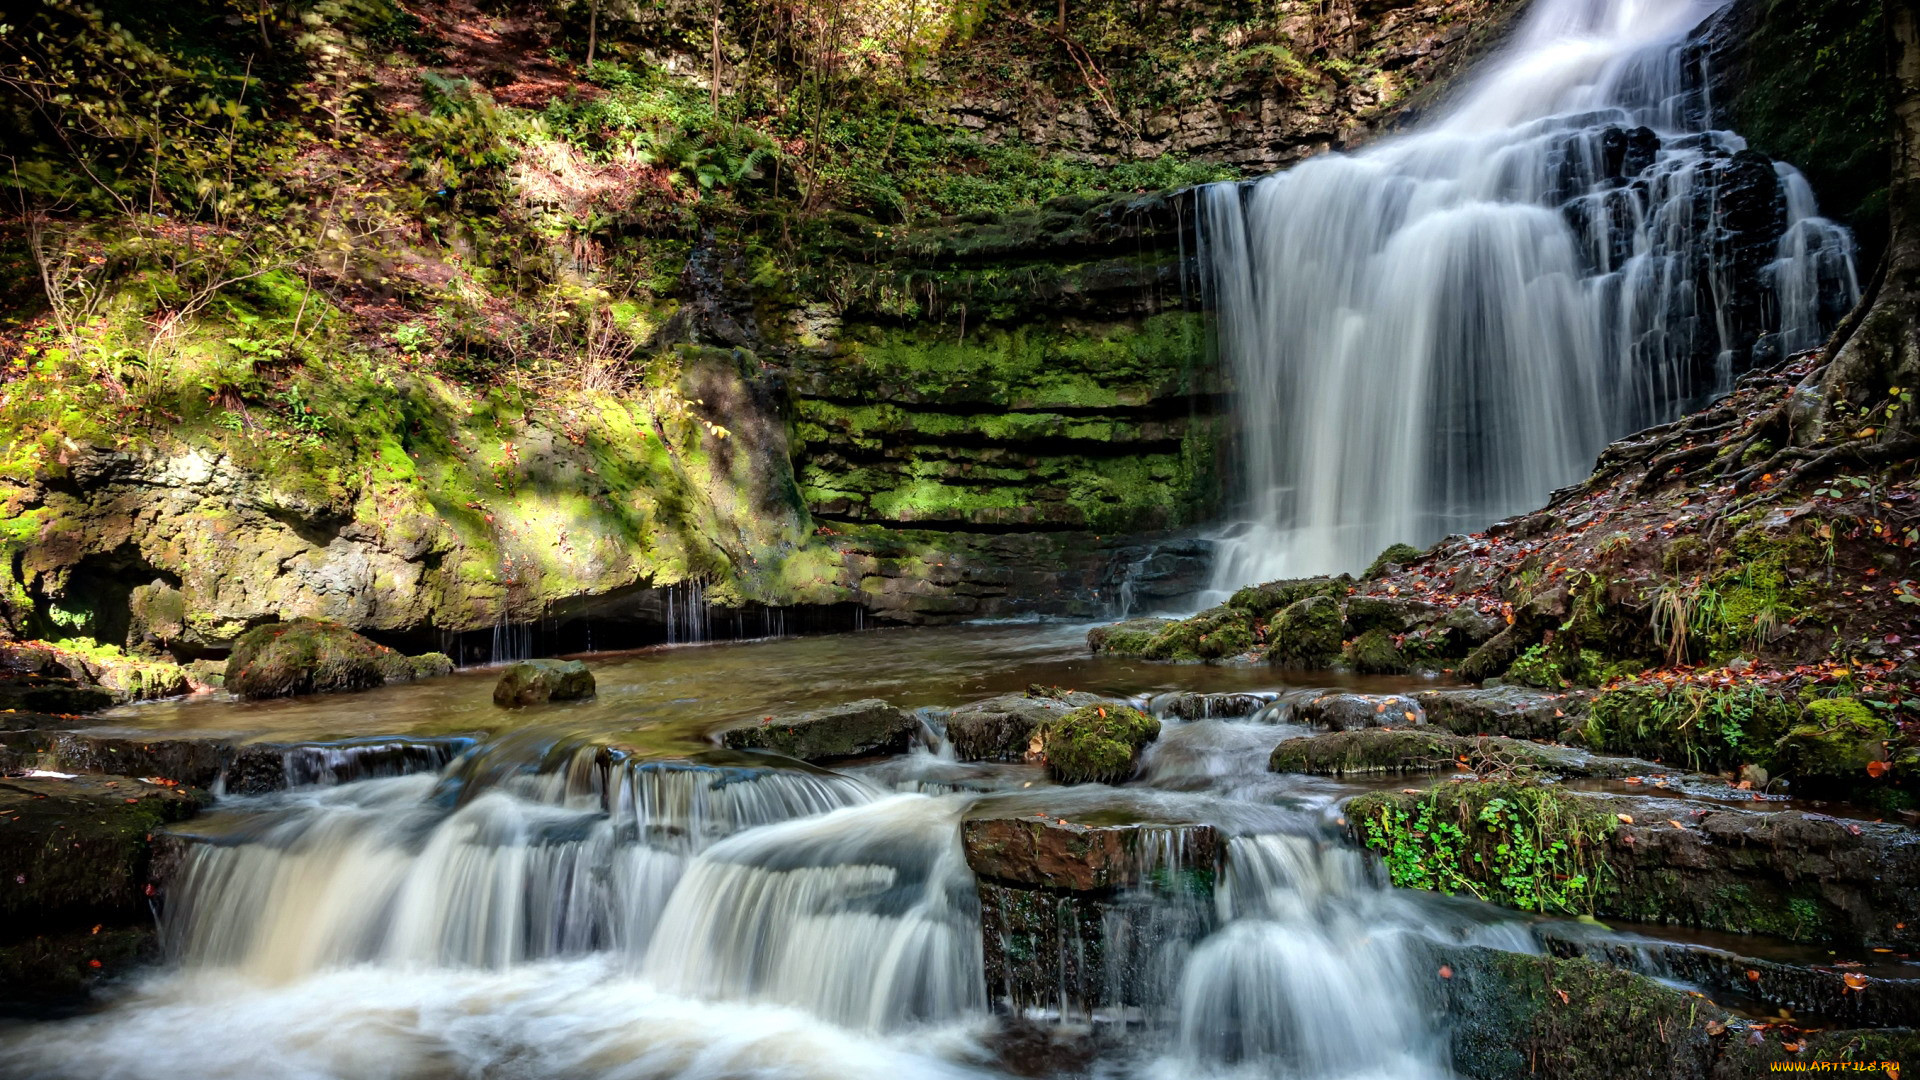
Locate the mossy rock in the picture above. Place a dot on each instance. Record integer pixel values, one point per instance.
(1396, 555)
(1211, 635)
(536, 682)
(1835, 738)
(855, 729)
(1374, 653)
(1097, 744)
(1129, 638)
(309, 656)
(157, 617)
(1306, 634)
(80, 850)
(1376, 750)
(1699, 727)
(1261, 601)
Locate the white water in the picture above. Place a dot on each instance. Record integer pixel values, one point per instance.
(1436, 332)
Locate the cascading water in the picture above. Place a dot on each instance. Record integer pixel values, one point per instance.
(1434, 333)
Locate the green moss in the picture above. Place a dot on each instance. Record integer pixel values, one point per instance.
(1835, 737)
(1699, 727)
(1129, 638)
(1306, 634)
(306, 656)
(1097, 743)
(1374, 653)
(1396, 554)
(1211, 635)
(1261, 601)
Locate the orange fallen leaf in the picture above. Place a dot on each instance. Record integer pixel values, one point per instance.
(1793, 1047)
(1625, 819)
(1564, 998)
(1446, 972)
(1752, 975)
(1854, 981)
(1715, 1027)
(1675, 824)
(1877, 769)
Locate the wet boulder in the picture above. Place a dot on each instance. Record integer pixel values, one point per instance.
(157, 618)
(1392, 560)
(308, 656)
(1516, 711)
(1376, 750)
(536, 682)
(33, 680)
(1007, 728)
(1262, 601)
(1097, 744)
(855, 729)
(1037, 851)
(1129, 638)
(1345, 712)
(1187, 705)
(1306, 633)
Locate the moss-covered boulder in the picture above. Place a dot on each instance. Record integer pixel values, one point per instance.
(1261, 601)
(856, 729)
(536, 682)
(1097, 743)
(157, 618)
(308, 656)
(32, 680)
(1306, 633)
(1214, 634)
(1391, 560)
(1338, 711)
(1129, 638)
(1007, 727)
(1375, 653)
(1835, 738)
(1376, 750)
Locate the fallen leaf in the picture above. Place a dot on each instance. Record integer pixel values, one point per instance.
(1877, 769)
(1675, 824)
(1564, 999)
(1446, 972)
(1752, 975)
(1625, 819)
(1793, 1047)
(1854, 981)
(1715, 1027)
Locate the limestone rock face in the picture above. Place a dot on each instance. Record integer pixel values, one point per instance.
(535, 682)
(308, 656)
(856, 729)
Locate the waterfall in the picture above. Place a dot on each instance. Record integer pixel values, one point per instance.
(688, 613)
(488, 865)
(1310, 974)
(1435, 332)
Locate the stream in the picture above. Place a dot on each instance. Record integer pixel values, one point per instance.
(544, 906)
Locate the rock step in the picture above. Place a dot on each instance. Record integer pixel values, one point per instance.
(1418, 750)
(855, 729)
(230, 766)
(1044, 852)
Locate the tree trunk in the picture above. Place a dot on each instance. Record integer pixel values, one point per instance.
(1878, 347)
(716, 57)
(593, 29)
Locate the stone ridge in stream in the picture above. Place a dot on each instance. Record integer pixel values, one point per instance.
(835, 733)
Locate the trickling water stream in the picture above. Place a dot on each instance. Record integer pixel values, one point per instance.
(1434, 333)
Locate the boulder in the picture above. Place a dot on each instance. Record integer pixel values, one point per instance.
(157, 618)
(308, 656)
(1043, 852)
(1344, 712)
(1228, 706)
(536, 682)
(1005, 728)
(33, 680)
(1129, 638)
(1306, 633)
(1374, 750)
(1097, 743)
(856, 729)
(1515, 711)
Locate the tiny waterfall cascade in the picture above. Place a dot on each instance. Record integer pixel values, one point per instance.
(687, 613)
(1310, 973)
(1435, 332)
